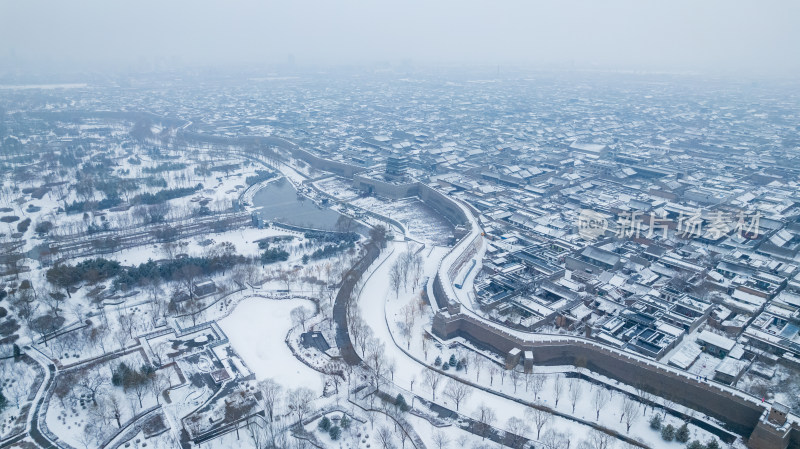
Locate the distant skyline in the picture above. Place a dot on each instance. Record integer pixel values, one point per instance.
(746, 38)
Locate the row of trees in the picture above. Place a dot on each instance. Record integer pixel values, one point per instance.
(407, 267)
(93, 270)
(282, 409)
(186, 269)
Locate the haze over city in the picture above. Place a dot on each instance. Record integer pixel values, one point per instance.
(717, 37)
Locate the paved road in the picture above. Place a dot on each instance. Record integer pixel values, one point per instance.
(343, 297)
(35, 433)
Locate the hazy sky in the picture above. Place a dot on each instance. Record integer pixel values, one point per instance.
(759, 36)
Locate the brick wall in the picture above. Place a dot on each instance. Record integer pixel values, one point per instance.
(739, 414)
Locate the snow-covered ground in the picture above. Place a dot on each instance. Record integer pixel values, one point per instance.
(338, 187)
(257, 329)
(16, 382)
(69, 418)
(421, 222)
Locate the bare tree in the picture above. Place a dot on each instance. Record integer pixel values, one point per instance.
(537, 385)
(127, 323)
(431, 380)
(517, 432)
(600, 440)
(666, 404)
(158, 349)
(139, 389)
(515, 377)
(272, 392)
(539, 418)
(417, 266)
(554, 440)
(574, 392)
(17, 391)
(187, 275)
(196, 309)
(403, 437)
(485, 417)
(440, 440)
(122, 337)
(90, 435)
(391, 366)
(395, 278)
(405, 261)
(299, 402)
(646, 396)
(409, 314)
(45, 326)
(113, 408)
(598, 401)
(92, 382)
(376, 359)
(493, 371)
(558, 388)
(53, 300)
(477, 364)
(259, 432)
(159, 383)
(300, 315)
(326, 311)
(630, 411)
(356, 326)
(158, 307)
(457, 391)
(384, 437)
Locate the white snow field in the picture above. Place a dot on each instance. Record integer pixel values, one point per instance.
(254, 329)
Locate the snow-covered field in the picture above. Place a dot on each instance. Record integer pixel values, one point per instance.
(257, 329)
(421, 222)
(16, 382)
(338, 187)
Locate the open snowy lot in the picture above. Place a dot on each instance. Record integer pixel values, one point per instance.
(338, 187)
(420, 220)
(257, 329)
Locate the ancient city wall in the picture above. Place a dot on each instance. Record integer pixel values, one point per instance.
(393, 191)
(443, 204)
(340, 168)
(738, 413)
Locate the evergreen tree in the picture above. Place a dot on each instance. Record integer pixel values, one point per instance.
(655, 422)
(682, 434)
(668, 433)
(453, 361)
(324, 424)
(438, 361)
(345, 422)
(400, 403)
(335, 433)
(712, 444)
(695, 444)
